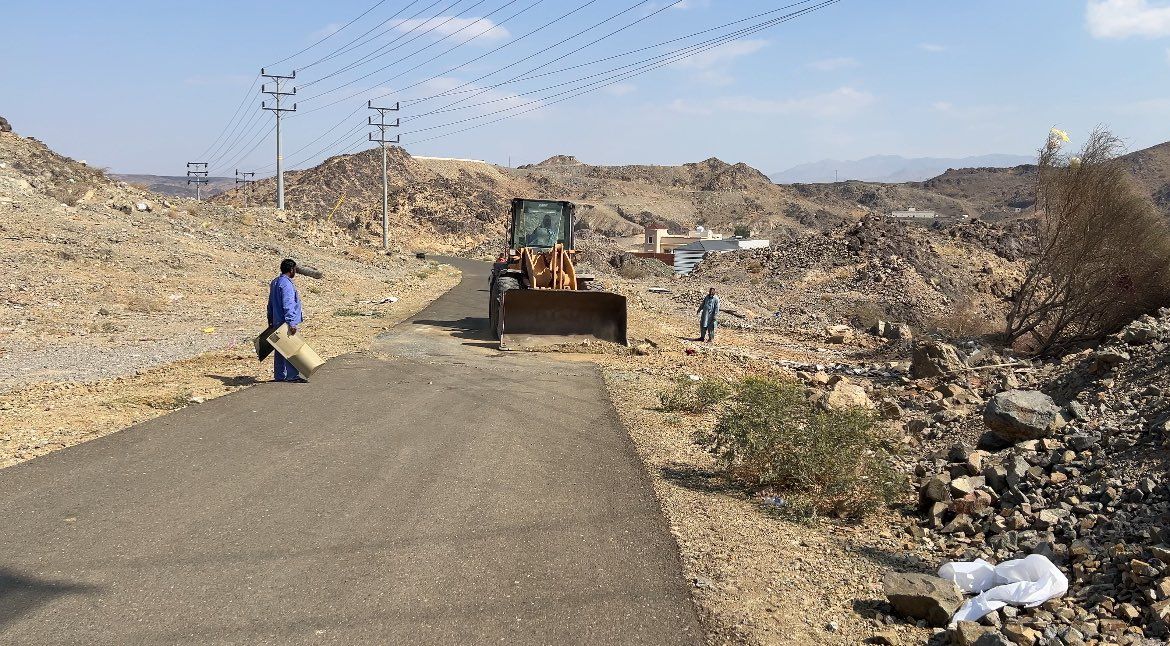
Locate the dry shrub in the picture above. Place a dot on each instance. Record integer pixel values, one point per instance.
(866, 314)
(694, 396)
(69, 195)
(1104, 251)
(965, 321)
(835, 463)
(143, 304)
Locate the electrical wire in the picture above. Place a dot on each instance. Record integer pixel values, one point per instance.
(604, 83)
(235, 114)
(329, 35)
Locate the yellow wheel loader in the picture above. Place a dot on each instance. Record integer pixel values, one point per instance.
(536, 295)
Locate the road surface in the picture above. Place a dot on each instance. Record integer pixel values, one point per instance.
(432, 491)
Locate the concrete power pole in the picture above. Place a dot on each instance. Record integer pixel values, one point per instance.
(245, 179)
(197, 175)
(276, 94)
(381, 125)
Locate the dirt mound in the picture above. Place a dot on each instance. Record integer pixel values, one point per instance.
(440, 205)
(555, 160)
(876, 269)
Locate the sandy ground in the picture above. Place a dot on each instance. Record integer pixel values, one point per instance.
(758, 579)
(45, 416)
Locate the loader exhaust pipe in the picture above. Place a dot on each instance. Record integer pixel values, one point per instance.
(532, 318)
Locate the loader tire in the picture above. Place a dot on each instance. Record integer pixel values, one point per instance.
(501, 285)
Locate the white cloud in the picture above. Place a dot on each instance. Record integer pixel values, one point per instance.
(620, 89)
(842, 102)
(721, 55)
(830, 64)
(932, 47)
(467, 28)
(327, 30)
(1123, 18)
(970, 112)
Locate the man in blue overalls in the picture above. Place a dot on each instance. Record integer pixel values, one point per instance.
(284, 306)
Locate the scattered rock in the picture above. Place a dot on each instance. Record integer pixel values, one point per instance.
(1020, 415)
(935, 359)
(922, 596)
(844, 395)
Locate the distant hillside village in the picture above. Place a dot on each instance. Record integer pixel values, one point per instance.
(684, 251)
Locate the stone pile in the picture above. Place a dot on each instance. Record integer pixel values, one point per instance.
(1081, 478)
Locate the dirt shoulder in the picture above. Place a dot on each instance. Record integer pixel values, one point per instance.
(757, 578)
(45, 416)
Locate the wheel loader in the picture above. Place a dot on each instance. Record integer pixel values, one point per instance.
(536, 296)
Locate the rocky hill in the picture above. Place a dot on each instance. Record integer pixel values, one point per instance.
(105, 282)
(455, 205)
(987, 192)
(177, 185)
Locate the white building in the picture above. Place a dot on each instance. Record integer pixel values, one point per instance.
(687, 256)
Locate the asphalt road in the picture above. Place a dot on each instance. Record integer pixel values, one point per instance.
(434, 491)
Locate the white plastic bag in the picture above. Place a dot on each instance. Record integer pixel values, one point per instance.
(1027, 582)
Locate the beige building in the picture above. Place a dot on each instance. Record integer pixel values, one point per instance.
(660, 240)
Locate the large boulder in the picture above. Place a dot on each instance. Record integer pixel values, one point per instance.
(935, 359)
(1021, 415)
(845, 394)
(4, 125)
(922, 596)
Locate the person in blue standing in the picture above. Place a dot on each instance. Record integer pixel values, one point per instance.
(284, 306)
(708, 311)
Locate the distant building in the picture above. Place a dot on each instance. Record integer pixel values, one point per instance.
(915, 214)
(687, 256)
(660, 240)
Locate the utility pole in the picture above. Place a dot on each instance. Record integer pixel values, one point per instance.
(381, 125)
(197, 175)
(276, 94)
(245, 179)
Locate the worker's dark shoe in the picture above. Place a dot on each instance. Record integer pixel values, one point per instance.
(298, 380)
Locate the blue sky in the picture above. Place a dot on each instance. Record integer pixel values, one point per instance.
(143, 86)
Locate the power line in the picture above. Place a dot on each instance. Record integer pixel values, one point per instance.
(604, 82)
(381, 125)
(468, 62)
(347, 47)
(252, 146)
(461, 65)
(247, 130)
(248, 93)
(448, 50)
(525, 76)
(562, 57)
(329, 35)
(278, 94)
(646, 65)
(245, 179)
(197, 175)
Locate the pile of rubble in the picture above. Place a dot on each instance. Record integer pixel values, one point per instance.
(1073, 468)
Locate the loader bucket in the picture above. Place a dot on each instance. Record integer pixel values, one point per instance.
(531, 318)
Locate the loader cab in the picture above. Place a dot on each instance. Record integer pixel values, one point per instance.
(540, 224)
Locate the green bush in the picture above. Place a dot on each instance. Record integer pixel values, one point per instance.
(694, 396)
(769, 436)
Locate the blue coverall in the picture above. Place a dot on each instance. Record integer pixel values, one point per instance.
(284, 306)
(708, 311)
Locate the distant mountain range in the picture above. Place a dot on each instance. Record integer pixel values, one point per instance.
(177, 184)
(890, 168)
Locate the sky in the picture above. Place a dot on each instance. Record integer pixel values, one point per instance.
(145, 87)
